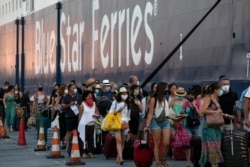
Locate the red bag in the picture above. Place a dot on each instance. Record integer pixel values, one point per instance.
(181, 139)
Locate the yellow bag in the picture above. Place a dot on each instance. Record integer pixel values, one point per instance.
(113, 122)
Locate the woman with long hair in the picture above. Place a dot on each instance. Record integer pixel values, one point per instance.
(17, 94)
(10, 106)
(158, 106)
(40, 100)
(136, 109)
(211, 135)
(121, 105)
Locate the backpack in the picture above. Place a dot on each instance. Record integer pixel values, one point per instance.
(193, 117)
(103, 104)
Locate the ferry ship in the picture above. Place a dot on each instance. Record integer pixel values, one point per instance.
(48, 41)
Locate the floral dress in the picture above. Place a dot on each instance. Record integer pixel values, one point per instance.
(211, 143)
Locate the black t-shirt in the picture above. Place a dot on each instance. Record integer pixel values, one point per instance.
(227, 102)
(67, 100)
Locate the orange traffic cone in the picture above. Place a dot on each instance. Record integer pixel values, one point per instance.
(55, 149)
(21, 137)
(3, 133)
(41, 140)
(75, 158)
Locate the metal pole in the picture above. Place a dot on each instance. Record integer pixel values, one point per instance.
(22, 57)
(17, 51)
(178, 46)
(58, 47)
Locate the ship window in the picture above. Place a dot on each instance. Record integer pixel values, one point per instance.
(16, 4)
(3, 10)
(6, 8)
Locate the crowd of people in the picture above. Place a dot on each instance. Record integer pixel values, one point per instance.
(78, 108)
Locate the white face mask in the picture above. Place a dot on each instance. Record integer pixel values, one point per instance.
(138, 83)
(107, 89)
(124, 97)
(66, 91)
(225, 88)
(75, 90)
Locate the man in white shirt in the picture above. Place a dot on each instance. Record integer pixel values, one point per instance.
(246, 107)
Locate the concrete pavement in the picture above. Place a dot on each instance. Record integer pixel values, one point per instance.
(13, 155)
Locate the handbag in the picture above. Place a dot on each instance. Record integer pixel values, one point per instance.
(162, 116)
(215, 119)
(113, 122)
(181, 138)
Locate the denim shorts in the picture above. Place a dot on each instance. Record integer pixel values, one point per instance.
(123, 132)
(163, 125)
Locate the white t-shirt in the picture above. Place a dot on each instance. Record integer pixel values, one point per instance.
(248, 93)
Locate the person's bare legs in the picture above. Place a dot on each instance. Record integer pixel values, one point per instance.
(156, 134)
(166, 143)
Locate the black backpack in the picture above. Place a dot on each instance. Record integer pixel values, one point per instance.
(103, 104)
(193, 118)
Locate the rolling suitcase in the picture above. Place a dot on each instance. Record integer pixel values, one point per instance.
(234, 148)
(180, 154)
(143, 152)
(128, 150)
(109, 147)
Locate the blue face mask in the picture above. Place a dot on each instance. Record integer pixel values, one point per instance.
(178, 98)
(97, 91)
(220, 93)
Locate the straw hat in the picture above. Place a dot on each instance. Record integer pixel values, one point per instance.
(19, 111)
(123, 89)
(91, 81)
(177, 117)
(180, 92)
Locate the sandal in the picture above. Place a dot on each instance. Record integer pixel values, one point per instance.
(165, 164)
(91, 155)
(158, 164)
(84, 155)
(121, 162)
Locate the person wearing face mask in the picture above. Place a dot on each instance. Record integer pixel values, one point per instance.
(40, 100)
(70, 108)
(88, 112)
(158, 105)
(211, 135)
(176, 105)
(121, 105)
(227, 100)
(106, 89)
(61, 92)
(98, 91)
(136, 109)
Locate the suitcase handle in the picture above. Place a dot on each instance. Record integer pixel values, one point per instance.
(146, 138)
